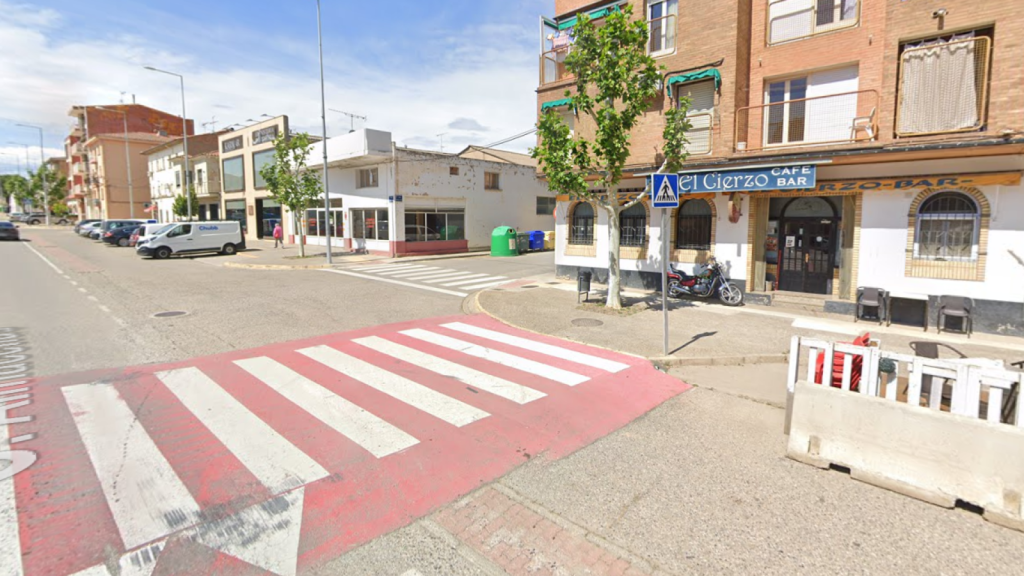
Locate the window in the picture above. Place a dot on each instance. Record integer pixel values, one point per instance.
(693, 225)
(947, 228)
(582, 231)
(453, 170)
(830, 12)
(235, 210)
(546, 205)
(233, 171)
(182, 230)
(370, 224)
(491, 181)
(426, 226)
(786, 119)
(316, 219)
(569, 118)
(177, 179)
(366, 178)
(661, 18)
(633, 226)
(701, 114)
(943, 85)
(259, 160)
(200, 183)
(795, 19)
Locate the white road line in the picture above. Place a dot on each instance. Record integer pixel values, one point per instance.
(73, 283)
(83, 290)
(10, 544)
(539, 347)
(93, 298)
(146, 497)
(412, 572)
(416, 395)
(466, 280)
(485, 285)
(450, 277)
(372, 433)
(45, 259)
(278, 464)
(498, 357)
(498, 386)
(435, 274)
(398, 282)
(382, 267)
(105, 309)
(405, 271)
(421, 273)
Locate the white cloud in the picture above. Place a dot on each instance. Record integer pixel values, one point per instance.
(487, 74)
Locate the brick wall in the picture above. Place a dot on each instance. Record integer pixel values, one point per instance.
(141, 119)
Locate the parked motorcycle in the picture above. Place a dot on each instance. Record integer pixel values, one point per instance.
(710, 283)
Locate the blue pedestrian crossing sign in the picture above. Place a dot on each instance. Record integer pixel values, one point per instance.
(665, 191)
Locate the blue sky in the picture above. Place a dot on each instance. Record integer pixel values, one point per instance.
(415, 68)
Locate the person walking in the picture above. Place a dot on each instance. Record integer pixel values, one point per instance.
(278, 236)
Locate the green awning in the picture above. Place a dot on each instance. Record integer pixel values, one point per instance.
(555, 104)
(694, 76)
(599, 13)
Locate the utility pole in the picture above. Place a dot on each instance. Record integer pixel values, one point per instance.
(323, 143)
(352, 119)
(184, 136)
(42, 170)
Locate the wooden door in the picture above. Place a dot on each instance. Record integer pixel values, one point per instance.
(806, 264)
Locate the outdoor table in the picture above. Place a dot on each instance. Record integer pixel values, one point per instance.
(890, 296)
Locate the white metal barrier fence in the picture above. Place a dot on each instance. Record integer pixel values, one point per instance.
(972, 385)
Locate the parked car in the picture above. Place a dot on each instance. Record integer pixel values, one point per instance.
(9, 231)
(119, 236)
(16, 216)
(87, 229)
(110, 225)
(194, 237)
(78, 226)
(35, 218)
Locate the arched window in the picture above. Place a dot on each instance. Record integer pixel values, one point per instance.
(947, 227)
(633, 226)
(582, 231)
(693, 225)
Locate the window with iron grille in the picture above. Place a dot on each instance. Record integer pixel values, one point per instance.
(947, 228)
(582, 231)
(693, 225)
(633, 226)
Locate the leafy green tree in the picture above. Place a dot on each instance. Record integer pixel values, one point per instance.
(614, 80)
(289, 180)
(56, 187)
(14, 186)
(180, 207)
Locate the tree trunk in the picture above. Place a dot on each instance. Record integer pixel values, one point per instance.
(614, 300)
(302, 242)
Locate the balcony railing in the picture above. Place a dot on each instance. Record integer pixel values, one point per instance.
(663, 34)
(796, 19)
(700, 136)
(834, 119)
(943, 87)
(552, 65)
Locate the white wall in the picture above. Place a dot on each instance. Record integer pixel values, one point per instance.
(884, 239)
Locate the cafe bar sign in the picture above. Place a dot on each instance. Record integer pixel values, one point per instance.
(749, 180)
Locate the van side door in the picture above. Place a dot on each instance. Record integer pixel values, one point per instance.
(180, 238)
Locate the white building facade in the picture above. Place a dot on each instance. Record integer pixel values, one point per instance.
(165, 179)
(398, 201)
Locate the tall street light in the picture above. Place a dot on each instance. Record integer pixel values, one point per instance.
(127, 159)
(42, 170)
(184, 136)
(323, 143)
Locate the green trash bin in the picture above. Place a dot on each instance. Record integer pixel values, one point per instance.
(504, 241)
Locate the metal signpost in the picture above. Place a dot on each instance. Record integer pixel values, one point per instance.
(665, 195)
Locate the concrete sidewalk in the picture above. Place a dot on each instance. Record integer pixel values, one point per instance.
(261, 255)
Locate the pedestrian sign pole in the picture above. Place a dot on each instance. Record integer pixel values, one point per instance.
(665, 195)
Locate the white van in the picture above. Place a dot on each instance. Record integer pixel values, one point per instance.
(193, 237)
(148, 231)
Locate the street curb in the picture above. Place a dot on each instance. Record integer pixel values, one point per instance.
(351, 264)
(750, 359)
(276, 266)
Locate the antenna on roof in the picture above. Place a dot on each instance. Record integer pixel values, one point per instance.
(441, 136)
(212, 123)
(351, 117)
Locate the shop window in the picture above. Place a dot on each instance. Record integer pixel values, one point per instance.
(233, 174)
(492, 181)
(582, 218)
(259, 160)
(430, 226)
(546, 205)
(235, 210)
(370, 224)
(316, 219)
(633, 226)
(661, 21)
(693, 225)
(947, 228)
(367, 178)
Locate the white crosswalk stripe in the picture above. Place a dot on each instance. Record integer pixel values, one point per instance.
(275, 461)
(450, 277)
(474, 280)
(424, 277)
(487, 284)
(432, 274)
(381, 267)
(416, 395)
(498, 357)
(146, 497)
(404, 270)
(462, 374)
(540, 347)
(372, 433)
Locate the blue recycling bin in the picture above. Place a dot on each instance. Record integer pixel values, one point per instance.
(536, 240)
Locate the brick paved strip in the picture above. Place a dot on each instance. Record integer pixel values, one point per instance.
(521, 541)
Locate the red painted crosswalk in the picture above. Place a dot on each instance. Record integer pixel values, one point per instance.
(283, 457)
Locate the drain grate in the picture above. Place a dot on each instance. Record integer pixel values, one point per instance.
(587, 323)
(169, 314)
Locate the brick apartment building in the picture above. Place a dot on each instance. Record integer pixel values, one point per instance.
(904, 118)
(97, 164)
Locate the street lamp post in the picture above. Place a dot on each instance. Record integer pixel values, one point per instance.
(42, 170)
(127, 159)
(323, 143)
(184, 136)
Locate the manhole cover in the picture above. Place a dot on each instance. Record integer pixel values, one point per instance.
(587, 322)
(530, 286)
(170, 314)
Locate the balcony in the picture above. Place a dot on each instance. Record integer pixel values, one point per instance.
(552, 65)
(790, 20)
(843, 118)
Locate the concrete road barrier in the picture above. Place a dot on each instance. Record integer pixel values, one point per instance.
(927, 454)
